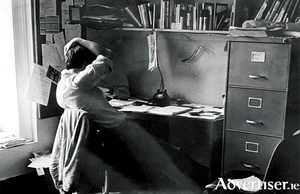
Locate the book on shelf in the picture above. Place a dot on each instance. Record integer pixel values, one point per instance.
(261, 10)
(221, 13)
(134, 15)
(174, 14)
(143, 11)
(276, 10)
(210, 10)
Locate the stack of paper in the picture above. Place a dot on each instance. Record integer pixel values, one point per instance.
(8, 140)
(134, 108)
(252, 32)
(169, 110)
(120, 103)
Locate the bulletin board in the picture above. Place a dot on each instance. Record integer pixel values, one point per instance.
(52, 25)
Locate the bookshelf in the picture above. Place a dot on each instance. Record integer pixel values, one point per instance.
(180, 14)
(175, 31)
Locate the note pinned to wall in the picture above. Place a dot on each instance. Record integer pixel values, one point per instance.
(51, 57)
(39, 87)
(72, 31)
(60, 42)
(152, 51)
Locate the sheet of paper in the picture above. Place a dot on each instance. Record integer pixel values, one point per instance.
(60, 42)
(133, 108)
(152, 51)
(169, 110)
(72, 31)
(47, 7)
(40, 162)
(64, 14)
(120, 103)
(39, 86)
(51, 57)
(75, 13)
(79, 3)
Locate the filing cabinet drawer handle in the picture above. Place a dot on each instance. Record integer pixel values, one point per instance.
(251, 166)
(257, 77)
(253, 122)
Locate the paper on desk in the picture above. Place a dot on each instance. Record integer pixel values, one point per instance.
(169, 110)
(120, 103)
(208, 112)
(133, 108)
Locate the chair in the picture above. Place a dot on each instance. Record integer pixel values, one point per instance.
(284, 168)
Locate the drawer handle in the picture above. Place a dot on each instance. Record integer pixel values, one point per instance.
(257, 77)
(253, 122)
(251, 166)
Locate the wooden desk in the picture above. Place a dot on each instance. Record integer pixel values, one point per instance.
(199, 139)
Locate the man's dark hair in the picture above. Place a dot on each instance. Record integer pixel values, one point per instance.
(77, 55)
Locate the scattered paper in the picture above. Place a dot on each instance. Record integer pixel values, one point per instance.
(249, 184)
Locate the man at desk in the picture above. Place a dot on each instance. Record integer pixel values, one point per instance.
(87, 63)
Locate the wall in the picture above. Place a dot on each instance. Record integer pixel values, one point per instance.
(200, 81)
(14, 161)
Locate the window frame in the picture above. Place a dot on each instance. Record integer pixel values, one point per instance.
(23, 29)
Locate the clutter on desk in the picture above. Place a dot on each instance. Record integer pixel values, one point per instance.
(192, 110)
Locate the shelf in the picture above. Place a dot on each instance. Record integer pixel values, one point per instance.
(178, 31)
(174, 31)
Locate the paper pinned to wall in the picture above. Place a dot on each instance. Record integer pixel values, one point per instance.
(152, 51)
(64, 14)
(72, 31)
(51, 57)
(60, 42)
(39, 86)
(47, 7)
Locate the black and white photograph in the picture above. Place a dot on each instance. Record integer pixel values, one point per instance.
(150, 97)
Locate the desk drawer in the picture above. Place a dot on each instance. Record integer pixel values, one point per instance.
(248, 152)
(259, 65)
(257, 111)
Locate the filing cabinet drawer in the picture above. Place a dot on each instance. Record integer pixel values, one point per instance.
(256, 111)
(259, 65)
(248, 152)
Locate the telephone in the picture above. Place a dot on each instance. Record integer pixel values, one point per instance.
(161, 98)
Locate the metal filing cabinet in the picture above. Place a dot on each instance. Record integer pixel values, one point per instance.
(262, 100)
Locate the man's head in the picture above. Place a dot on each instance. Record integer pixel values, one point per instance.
(78, 57)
